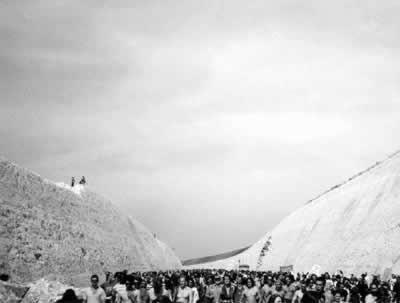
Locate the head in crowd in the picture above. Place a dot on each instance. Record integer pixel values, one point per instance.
(182, 281)
(338, 296)
(94, 281)
(190, 283)
(270, 281)
(276, 299)
(373, 289)
(278, 285)
(227, 280)
(143, 284)
(69, 296)
(130, 283)
(319, 284)
(250, 282)
(157, 286)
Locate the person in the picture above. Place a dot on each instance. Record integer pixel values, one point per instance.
(143, 295)
(354, 295)
(83, 181)
(210, 292)
(329, 294)
(120, 293)
(94, 293)
(314, 295)
(298, 294)
(69, 296)
(384, 293)
(373, 294)
(108, 286)
(72, 181)
(158, 294)
(183, 293)
(167, 288)
(396, 290)
(237, 297)
(267, 288)
(278, 289)
(218, 287)
(227, 291)
(363, 287)
(276, 299)
(338, 297)
(131, 290)
(195, 292)
(251, 294)
(290, 288)
(201, 289)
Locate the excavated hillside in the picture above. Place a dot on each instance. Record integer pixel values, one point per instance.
(53, 229)
(354, 226)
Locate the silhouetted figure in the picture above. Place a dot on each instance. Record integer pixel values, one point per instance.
(72, 182)
(83, 181)
(69, 297)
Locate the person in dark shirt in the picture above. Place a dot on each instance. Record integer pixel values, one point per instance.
(396, 290)
(227, 291)
(239, 290)
(354, 295)
(69, 297)
(384, 293)
(363, 287)
(314, 295)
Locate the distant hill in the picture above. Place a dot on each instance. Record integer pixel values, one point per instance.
(53, 229)
(214, 257)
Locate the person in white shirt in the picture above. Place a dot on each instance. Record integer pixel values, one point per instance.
(120, 292)
(298, 294)
(195, 292)
(94, 293)
(184, 293)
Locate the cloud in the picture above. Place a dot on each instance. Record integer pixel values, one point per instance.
(203, 112)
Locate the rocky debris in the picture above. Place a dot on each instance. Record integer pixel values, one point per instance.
(45, 291)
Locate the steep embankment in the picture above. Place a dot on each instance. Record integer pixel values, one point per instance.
(354, 226)
(50, 229)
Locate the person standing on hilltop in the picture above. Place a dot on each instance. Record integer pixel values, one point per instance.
(72, 181)
(83, 181)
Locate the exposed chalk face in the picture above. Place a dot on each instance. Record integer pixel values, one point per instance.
(50, 229)
(354, 227)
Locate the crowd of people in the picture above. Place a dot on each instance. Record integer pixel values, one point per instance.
(210, 286)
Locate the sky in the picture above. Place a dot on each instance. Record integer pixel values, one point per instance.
(208, 121)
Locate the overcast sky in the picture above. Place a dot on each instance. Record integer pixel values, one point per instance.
(209, 121)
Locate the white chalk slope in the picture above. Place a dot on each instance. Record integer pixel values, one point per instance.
(355, 227)
(53, 229)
